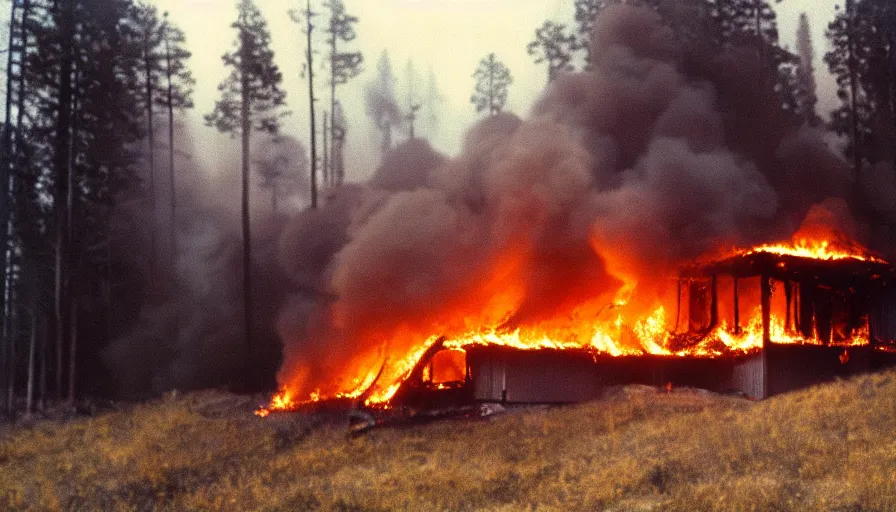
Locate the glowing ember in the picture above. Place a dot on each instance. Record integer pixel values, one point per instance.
(844, 357)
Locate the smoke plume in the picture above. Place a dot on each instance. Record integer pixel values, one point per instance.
(653, 156)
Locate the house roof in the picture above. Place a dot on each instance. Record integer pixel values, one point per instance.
(793, 268)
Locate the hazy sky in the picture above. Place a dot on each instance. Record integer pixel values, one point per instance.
(447, 36)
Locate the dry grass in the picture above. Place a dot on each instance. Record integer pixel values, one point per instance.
(826, 448)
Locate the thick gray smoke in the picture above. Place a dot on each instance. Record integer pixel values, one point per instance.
(653, 156)
(193, 340)
(188, 331)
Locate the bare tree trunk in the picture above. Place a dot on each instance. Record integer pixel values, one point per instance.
(10, 335)
(326, 166)
(6, 164)
(42, 379)
(107, 288)
(171, 170)
(331, 149)
(247, 235)
(152, 162)
(32, 352)
(172, 179)
(310, 62)
(73, 352)
(63, 161)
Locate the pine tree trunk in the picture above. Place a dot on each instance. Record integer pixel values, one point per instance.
(152, 165)
(63, 160)
(172, 181)
(73, 352)
(107, 288)
(9, 334)
(331, 149)
(247, 236)
(310, 62)
(326, 166)
(32, 352)
(171, 170)
(6, 161)
(73, 270)
(42, 374)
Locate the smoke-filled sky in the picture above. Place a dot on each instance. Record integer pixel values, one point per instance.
(447, 36)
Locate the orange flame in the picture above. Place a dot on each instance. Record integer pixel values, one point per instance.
(816, 249)
(598, 333)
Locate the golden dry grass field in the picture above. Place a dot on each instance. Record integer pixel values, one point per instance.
(828, 448)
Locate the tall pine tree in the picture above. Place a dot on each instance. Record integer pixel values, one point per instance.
(554, 46)
(344, 65)
(493, 80)
(251, 99)
(863, 61)
(807, 94)
(178, 92)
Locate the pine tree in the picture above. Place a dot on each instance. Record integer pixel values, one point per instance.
(432, 104)
(251, 98)
(339, 132)
(554, 46)
(493, 80)
(807, 98)
(179, 84)
(863, 61)
(282, 166)
(10, 161)
(382, 106)
(343, 67)
(147, 33)
(77, 123)
(305, 18)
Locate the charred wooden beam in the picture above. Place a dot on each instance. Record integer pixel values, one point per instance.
(836, 273)
(766, 290)
(714, 303)
(807, 309)
(736, 308)
(766, 300)
(788, 294)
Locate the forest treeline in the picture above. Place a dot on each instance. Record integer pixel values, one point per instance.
(96, 209)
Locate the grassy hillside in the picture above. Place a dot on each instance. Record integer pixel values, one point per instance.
(827, 448)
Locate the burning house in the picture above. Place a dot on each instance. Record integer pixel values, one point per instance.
(792, 318)
(556, 255)
(814, 314)
(759, 322)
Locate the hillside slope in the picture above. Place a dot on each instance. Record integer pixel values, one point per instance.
(832, 447)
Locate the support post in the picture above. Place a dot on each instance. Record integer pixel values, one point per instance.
(766, 286)
(736, 308)
(714, 303)
(766, 310)
(788, 293)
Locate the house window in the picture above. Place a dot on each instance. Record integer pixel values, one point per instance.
(446, 366)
